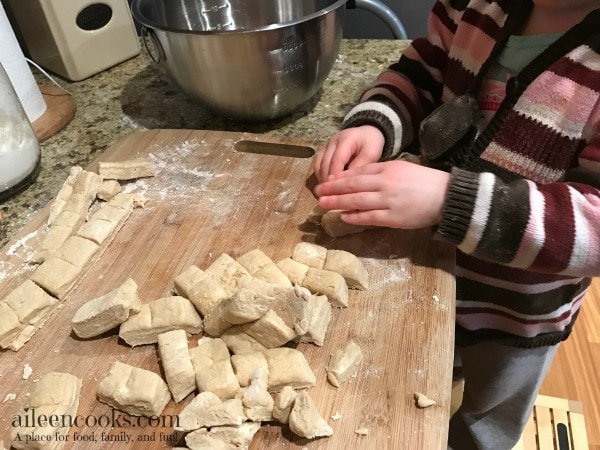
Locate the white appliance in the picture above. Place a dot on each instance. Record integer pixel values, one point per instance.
(76, 39)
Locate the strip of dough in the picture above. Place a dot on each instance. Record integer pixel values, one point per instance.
(126, 170)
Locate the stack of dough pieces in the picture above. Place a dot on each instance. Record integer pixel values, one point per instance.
(241, 369)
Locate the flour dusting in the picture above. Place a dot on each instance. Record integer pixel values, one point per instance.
(176, 177)
(390, 271)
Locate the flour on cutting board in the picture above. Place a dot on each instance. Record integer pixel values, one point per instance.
(174, 178)
(23, 252)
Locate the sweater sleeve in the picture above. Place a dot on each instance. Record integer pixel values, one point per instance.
(404, 94)
(548, 228)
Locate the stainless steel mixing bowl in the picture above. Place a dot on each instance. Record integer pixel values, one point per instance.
(245, 59)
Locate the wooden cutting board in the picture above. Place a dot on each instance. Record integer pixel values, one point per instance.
(215, 192)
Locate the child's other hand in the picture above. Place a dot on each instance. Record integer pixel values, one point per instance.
(395, 194)
(357, 146)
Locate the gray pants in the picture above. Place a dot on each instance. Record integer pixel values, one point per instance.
(501, 385)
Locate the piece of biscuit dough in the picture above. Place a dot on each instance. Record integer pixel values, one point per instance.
(343, 363)
(270, 330)
(239, 342)
(108, 189)
(20, 313)
(294, 270)
(228, 273)
(328, 283)
(159, 316)
(334, 226)
(349, 266)
(177, 363)
(288, 367)
(107, 311)
(136, 391)
(305, 420)
(200, 288)
(254, 260)
(54, 395)
(207, 410)
(244, 366)
(126, 170)
(56, 276)
(218, 378)
(312, 255)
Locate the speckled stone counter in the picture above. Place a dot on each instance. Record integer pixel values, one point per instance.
(137, 95)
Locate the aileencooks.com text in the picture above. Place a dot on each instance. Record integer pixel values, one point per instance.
(28, 418)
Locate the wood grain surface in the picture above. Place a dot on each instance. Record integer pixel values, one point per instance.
(207, 199)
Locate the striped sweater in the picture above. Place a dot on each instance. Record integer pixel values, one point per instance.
(524, 208)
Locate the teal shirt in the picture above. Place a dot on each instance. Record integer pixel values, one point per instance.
(516, 54)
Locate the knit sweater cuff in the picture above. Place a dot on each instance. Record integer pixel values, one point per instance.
(383, 117)
(459, 205)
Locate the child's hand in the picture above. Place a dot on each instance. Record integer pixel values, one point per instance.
(357, 146)
(395, 194)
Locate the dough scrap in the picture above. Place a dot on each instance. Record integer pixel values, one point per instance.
(108, 311)
(271, 273)
(77, 251)
(136, 391)
(343, 363)
(349, 266)
(223, 438)
(159, 316)
(288, 367)
(126, 170)
(55, 394)
(422, 401)
(305, 420)
(283, 404)
(318, 312)
(258, 403)
(177, 363)
(312, 255)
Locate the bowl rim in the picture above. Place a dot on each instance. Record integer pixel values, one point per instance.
(135, 11)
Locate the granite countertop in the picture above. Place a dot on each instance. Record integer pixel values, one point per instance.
(137, 95)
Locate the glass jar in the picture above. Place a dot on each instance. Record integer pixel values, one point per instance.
(20, 155)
